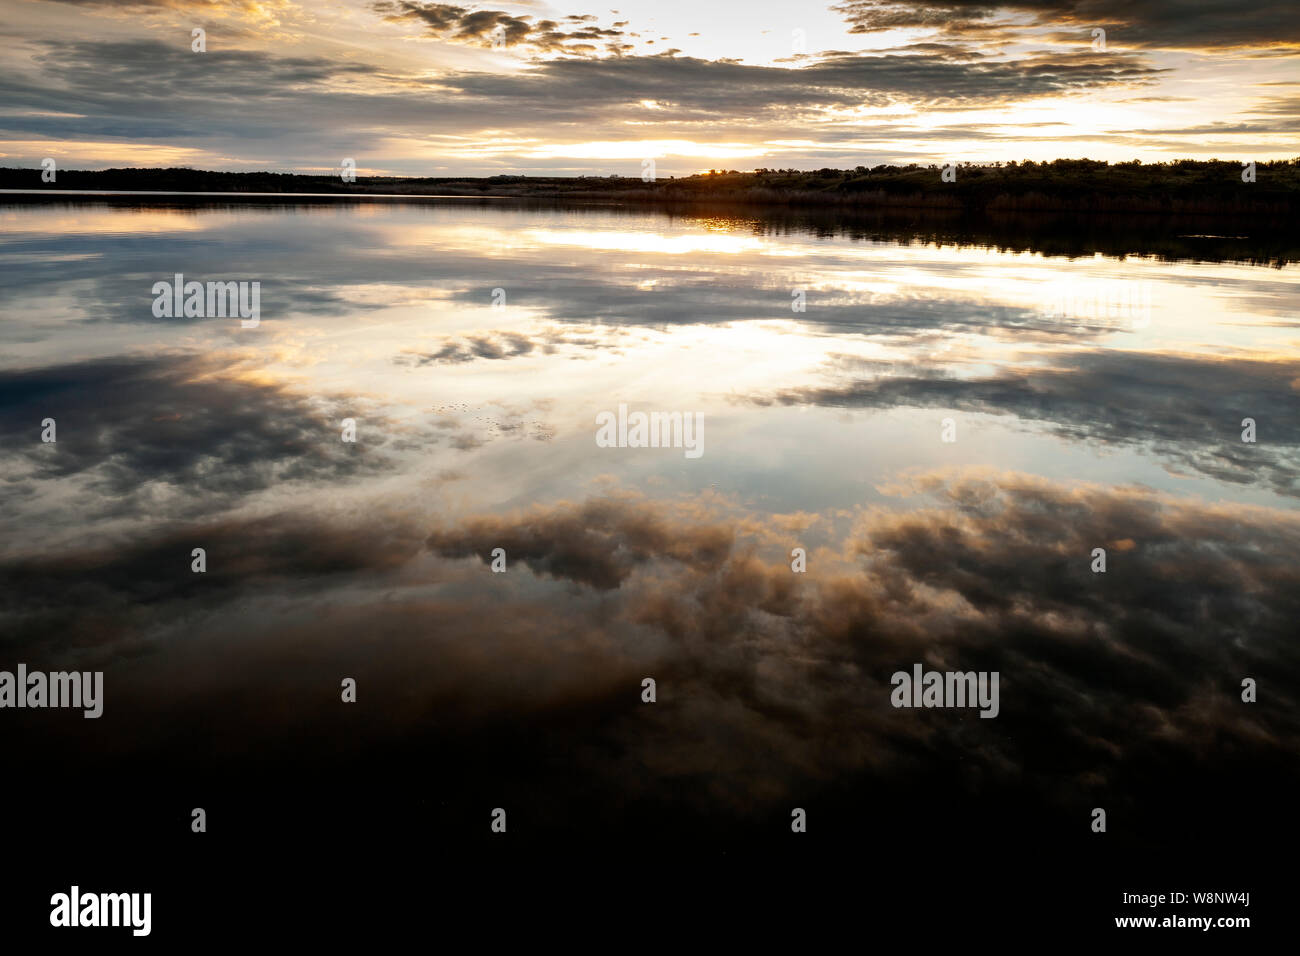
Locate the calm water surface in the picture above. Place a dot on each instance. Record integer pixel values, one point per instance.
(1093, 402)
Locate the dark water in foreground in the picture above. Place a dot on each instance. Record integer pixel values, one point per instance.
(1094, 400)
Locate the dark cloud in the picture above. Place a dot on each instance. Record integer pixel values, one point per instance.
(598, 544)
(716, 89)
(120, 596)
(483, 27)
(1175, 24)
(146, 90)
(1185, 409)
(686, 297)
(773, 686)
(150, 69)
(178, 420)
(1099, 673)
(137, 435)
(489, 345)
(496, 346)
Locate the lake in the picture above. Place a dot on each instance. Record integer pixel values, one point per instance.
(911, 448)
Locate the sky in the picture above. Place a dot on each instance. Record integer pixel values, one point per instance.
(413, 88)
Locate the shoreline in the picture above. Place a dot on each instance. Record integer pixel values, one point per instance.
(1067, 233)
(844, 208)
(1264, 194)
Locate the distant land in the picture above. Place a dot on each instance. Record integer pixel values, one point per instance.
(1192, 187)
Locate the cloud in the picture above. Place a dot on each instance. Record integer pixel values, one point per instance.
(137, 435)
(499, 346)
(598, 544)
(152, 92)
(773, 687)
(489, 345)
(116, 597)
(486, 27)
(1185, 409)
(704, 89)
(131, 426)
(1174, 24)
(430, 110)
(215, 6)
